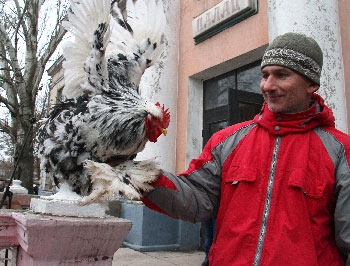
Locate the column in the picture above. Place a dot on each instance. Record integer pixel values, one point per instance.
(318, 19)
(161, 78)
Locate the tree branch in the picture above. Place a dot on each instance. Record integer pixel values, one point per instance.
(11, 51)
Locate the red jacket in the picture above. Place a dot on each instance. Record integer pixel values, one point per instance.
(280, 186)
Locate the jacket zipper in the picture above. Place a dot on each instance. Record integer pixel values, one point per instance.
(267, 203)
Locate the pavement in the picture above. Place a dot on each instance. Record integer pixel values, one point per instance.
(129, 257)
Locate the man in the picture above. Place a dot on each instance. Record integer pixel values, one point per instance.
(209, 233)
(280, 183)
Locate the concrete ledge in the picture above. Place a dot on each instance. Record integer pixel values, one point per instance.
(63, 241)
(8, 229)
(67, 208)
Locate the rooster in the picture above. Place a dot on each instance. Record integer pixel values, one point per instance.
(91, 137)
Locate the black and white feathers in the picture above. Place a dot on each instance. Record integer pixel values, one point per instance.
(91, 136)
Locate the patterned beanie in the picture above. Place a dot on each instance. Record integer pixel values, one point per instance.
(297, 52)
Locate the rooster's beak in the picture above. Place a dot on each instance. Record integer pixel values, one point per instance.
(164, 131)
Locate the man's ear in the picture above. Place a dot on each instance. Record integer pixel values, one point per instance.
(313, 87)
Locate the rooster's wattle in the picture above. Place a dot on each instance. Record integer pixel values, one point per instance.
(91, 137)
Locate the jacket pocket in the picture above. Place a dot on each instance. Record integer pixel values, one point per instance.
(240, 173)
(311, 186)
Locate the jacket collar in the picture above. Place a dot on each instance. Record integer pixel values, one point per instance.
(281, 124)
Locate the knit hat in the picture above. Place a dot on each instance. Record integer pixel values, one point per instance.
(297, 52)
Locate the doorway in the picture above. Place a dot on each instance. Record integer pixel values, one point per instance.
(231, 98)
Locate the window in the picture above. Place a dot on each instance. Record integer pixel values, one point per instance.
(231, 98)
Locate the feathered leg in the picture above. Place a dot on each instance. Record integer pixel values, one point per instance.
(129, 179)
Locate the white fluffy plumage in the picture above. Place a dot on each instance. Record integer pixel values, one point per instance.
(127, 177)
(91, 136)
(144, 17)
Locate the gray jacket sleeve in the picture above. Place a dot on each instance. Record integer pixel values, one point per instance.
(194, 196)
(342, 210)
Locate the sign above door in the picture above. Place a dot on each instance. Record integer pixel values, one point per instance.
(221, 16)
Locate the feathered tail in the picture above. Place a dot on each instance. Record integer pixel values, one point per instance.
(108, 52)
(136, 39)
(85, 65)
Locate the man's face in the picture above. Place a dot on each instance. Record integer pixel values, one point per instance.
(286, 91)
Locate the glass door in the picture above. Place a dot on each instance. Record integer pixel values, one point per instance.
(231, 98)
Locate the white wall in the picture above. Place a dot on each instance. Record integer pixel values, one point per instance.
(164, 77)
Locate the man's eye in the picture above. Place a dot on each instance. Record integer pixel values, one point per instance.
(281, 74)
(264, 76)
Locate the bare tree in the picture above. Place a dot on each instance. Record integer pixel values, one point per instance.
(30, 32)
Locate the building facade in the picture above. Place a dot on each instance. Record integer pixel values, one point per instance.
(219, 37)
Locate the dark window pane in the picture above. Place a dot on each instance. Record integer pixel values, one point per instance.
(249, 79)
(214, 127)
(216, 92)
(248, 110)
(227, 82)
(215, 97)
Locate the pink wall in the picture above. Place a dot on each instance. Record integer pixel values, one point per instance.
(344, 10)
(230, 43)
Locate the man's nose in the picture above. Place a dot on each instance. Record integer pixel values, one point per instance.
(269, 84)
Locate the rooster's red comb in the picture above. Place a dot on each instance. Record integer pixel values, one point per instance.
(166, 115)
